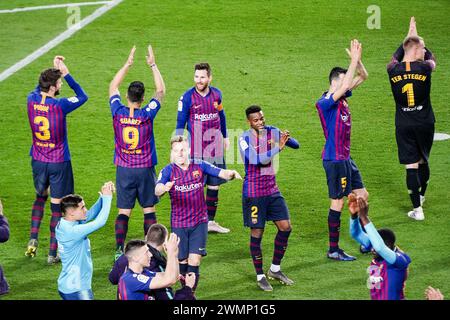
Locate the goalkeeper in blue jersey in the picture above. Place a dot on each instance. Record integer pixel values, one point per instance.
(74, 282)
(389, 268)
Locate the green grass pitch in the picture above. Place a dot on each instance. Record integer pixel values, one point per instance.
(273, 53)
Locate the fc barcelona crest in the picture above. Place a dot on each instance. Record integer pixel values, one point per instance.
(196, 173)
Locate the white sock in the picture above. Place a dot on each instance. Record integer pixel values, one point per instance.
(275, 268)
(260, 276)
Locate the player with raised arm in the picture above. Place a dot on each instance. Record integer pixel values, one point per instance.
(135, 151)
(261, 198)
(341, 171)
(184, 180)
(138, 281)
(200, 110)
(410, 78)
(51, 160)
(77, 223)
(389, 268)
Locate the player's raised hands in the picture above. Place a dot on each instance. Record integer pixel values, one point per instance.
(283, 139)
(190, 279)
(171, 245)
(433, 294)
(130, 59)
(150, 56)
(355, 50)
(108, 189)
(58, 63)
(353, 206)
(363, 210)
(57, 60)
(412, 32)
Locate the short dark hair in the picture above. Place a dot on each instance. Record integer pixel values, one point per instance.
(335, 72)
(252, 109)
(203, 66)
(388, 237)
(133, 245)
(70, 201)
(410, 41)
(156, 234)
(136, 91)
(49, 78)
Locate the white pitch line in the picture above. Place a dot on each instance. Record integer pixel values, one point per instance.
(54, 6)
(53, 43)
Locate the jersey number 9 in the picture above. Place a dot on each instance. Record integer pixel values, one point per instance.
(130, 135)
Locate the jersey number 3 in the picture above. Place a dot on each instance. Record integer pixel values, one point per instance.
(43, 123)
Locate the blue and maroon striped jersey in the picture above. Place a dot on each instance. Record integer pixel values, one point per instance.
(206, 122)
(187, 195)
(257, 151)
(136, 286)
(387, 281)
(47, 117)
(134, 140)
(336, 122)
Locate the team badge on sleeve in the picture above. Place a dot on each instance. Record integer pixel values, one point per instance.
(243, 144)
(153, 105)
(180, 105)
(142, 278)
(73, 99)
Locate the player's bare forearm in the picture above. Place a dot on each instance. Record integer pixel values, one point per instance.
(160, 190)
(229, 174)
(117, 81)
(160, 87)
(361, 75)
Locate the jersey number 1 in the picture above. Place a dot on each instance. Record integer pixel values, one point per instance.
(409, 89)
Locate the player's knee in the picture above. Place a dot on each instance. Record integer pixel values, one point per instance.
(149, 209)
(337, 204)
(257, 233)
(55, 200)
(126, 212)
(194, 259)
(42, 193)
(284, 226)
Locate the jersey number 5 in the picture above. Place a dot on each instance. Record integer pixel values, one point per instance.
(409, 89)
(130, 135)
(43, 123)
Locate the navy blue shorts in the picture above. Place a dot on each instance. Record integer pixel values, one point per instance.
(342, 177)
(220, 163)
(256, 211)
(57, 176)
(135, 183)
(192, 240)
